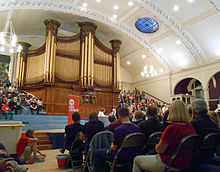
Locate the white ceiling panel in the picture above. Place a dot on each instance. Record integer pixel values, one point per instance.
(186, 10)
(207, 33)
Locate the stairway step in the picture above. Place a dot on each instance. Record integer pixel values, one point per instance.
(43, 142)
(44, 147)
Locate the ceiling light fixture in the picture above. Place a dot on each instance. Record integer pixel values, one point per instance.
(218, 52)
(130, 3)
(149, 70)
(160, 50)
(8, 38)
(144, 56)
(175, 8)
(116, 7)
(98, 0)
(128, 62)
(115, 16)
(190, 1)
(84, 5)
(178, 42)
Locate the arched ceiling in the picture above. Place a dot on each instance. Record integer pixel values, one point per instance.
(186, 38)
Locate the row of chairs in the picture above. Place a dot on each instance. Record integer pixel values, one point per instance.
(190, 143)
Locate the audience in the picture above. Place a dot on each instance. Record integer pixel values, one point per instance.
(92, 127)
(120, 132)
(111, 117)
(11, 165)
(139, 117)
(34, 107)
(17, 99)
(72, 130)
(26, 146)
(202, 122)
(7, 111)
(214, 115)
(152, 124)
(101, 112)
(114, 125)
(165, 121)
(203, 125)
(168, 143)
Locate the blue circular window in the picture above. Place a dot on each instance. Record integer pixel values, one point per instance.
(147, 25)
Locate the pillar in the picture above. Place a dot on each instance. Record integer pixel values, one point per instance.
(87, 33)
(206, 95)
(116, 63)
(21, 64)
(50, 50)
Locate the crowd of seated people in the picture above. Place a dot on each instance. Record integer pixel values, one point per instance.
(13, 101)
(141, 115)
(136, 100)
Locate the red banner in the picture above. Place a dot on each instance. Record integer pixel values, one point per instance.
(73, 106)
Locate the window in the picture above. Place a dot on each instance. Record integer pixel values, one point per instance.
(147, 25)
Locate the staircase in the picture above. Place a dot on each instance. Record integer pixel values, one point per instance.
(44, 141)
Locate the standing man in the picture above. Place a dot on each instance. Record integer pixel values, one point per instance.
(34, 107)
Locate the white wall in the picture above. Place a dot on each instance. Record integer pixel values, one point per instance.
(158, 87)
(126, 80)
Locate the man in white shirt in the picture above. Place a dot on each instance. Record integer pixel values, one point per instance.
(101, 112)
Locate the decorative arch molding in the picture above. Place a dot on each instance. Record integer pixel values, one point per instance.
(211, 76)
(66, 7)
(175, 26)
(182, 78)
(215, 4)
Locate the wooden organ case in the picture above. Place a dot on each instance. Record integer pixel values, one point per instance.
(78, 65)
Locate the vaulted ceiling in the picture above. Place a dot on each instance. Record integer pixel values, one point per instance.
(188, 35)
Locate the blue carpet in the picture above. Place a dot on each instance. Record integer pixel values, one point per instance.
(40, 122)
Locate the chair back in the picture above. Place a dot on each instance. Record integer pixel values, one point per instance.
(133, 140)
(211, 141)
(153, 139)
(75, 152)
(149, 147)
(77, 138)
(100, 140)
(188, 144)
(205, 154)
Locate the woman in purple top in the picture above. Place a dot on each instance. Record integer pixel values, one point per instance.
(119, 134)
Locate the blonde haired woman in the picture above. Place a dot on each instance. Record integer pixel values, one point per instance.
(168, 143)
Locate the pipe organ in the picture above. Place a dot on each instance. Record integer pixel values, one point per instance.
(79, 65)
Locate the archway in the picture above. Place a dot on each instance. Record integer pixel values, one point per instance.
(214, 91)
(188, 89)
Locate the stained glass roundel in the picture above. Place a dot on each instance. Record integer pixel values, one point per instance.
(147, 25)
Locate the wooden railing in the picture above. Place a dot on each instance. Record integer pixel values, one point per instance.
(158, 99)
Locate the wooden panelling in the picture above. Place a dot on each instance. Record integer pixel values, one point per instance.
(55, 98)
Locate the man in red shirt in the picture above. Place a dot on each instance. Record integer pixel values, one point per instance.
(26, 145)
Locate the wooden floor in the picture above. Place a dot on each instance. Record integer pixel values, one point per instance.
(49, 165)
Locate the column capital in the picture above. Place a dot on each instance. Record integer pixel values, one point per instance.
(86, 28)
(206, 89)
(52, 26)
(116, 45)
(24, 50)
